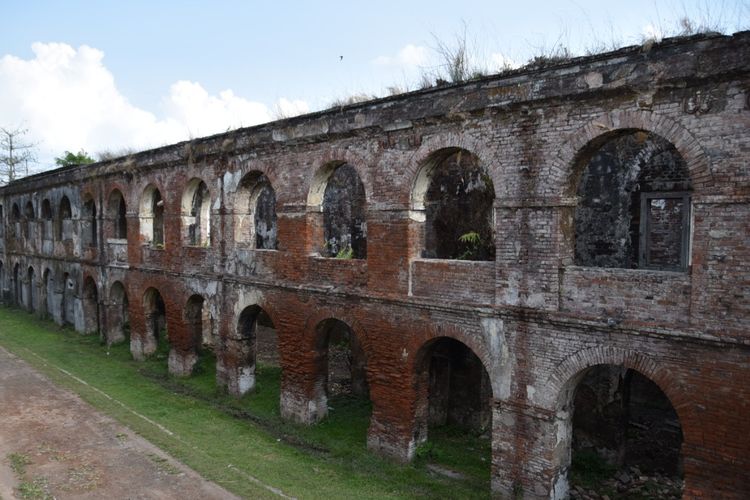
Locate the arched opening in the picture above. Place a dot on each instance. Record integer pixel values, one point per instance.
(344, 213)
(47, 291)
(196, 214)
(64, 228)
(198, 325)
(255, 348)
(255, 212)
(151, 217)
(634, 203)
(17, 290)
(90, 306)
(118, 319)
(2, 283)
(453, 419)
(453, 194)
(117, 216)
(66, 300)
(29, 220)
(155, 314)
(625, 435)
(31, 293)
(89, 224)
(341, 363)
(15, 220)
(46, 220)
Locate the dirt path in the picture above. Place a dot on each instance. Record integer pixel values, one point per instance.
(61, 447)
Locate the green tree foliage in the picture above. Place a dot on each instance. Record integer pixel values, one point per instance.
(68, 159)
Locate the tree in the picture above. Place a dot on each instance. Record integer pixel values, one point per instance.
(15, 153)
(69, 159)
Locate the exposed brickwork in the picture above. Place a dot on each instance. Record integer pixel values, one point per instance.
(535, 321)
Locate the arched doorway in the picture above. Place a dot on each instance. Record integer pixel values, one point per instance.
(90, 306)
(626, 435)
(31, 293)
(118, 320)
(255, 343)
(156, 339)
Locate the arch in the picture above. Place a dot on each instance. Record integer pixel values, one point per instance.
(254, 339)
(15, 219)
(194, 319)
(339, 194)
(89, 227)
(255, 212)
(453, 195)
(2, 283)
(597, 393)
(64, 222)
(633, 202)
(46, 292)
(66, 300)
(453, 387)
(31, 293)
(118, 317)
(90, 306)
(117, 222)
(341, 360)
(17, 290)
(196, 214)
(565, 171)
(29, 217)
(156, 338)
(46, 219)
(151, 216)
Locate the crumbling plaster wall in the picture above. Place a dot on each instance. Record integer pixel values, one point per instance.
(534, 318)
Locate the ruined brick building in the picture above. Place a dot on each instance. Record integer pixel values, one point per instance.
(495, 253)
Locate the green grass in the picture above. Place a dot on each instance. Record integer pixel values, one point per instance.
(18, 463)
(233, 440)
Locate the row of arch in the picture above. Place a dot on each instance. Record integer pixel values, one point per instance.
(453, 386)
(633, 207)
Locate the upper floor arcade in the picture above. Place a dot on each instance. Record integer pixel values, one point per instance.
(552, 189)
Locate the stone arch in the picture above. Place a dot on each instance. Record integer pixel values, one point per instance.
(64, 221)
(117, 221)
(255, 212)
(564, 173)
(156, 336)
(151, 216)
(90, 302)
(243, 347)
(338, 195)
(453, 196)
(340, 362)
(196, 214)
(89, 229)
(633, 202)
(560, 391)
(453, 386)
(29, 220)
(46, 293)
(31, 293)
(17, 288)
(46, 216)
(15, 220)
(118, 317)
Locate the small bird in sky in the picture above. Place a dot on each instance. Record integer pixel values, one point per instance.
(341, 58)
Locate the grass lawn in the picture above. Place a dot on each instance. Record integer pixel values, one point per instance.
(242, 444)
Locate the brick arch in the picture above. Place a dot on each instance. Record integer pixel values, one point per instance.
(565, 171)
(425, 154)
(325, 164)
(563, 379)
(343, 315)
(241, 168)
(433, 335)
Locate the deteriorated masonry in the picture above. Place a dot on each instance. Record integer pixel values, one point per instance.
(544, 256)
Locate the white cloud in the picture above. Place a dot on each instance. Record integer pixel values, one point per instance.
(68, 99)
(499, 62)
(408, 56)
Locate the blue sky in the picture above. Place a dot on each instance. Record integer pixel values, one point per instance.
(107, 75)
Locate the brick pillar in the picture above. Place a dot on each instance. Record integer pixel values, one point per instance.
(530, 451)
